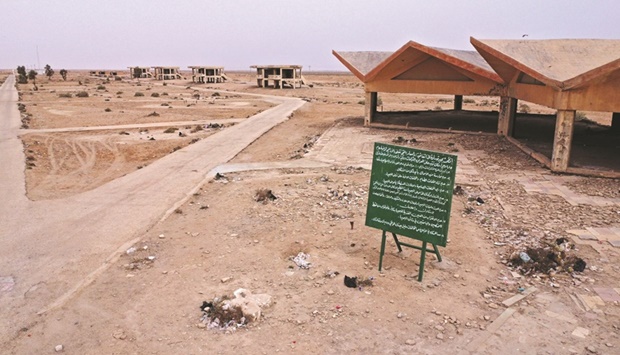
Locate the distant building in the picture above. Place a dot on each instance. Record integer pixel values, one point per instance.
(279, 75)
(204, 74)
(145, 72)
(166, 73)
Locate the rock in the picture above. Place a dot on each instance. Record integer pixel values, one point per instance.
(487, 317)
(400, 315)
(410, 342)
(161, 236)
(119, 334)
(591, 349)
(201, 325)
(439, 336)
(493, 305)
(330, 292)
(226, 279)
(59, 348)
(440, 328)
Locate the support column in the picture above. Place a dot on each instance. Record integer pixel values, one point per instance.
(507, 113)
(615, 122)
(458, 102)
(371, 107)
(562, 142)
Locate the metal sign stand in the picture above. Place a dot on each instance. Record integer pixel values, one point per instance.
(399, 245)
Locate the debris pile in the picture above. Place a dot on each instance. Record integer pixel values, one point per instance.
(358, 281)
(229, 314)
(264, 195)
(301, 260)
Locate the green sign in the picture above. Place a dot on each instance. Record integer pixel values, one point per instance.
(411, 192)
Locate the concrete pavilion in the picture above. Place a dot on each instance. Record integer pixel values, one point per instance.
(419, 69)
(564, 74)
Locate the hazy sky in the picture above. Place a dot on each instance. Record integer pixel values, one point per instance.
(115, 34)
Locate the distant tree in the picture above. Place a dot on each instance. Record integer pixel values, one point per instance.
(63, 73)
(49, 71)
(32, 75)
(22, 75)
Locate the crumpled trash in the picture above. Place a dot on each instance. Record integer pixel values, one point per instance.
(350, 282)
(526, 258)
(301, 260)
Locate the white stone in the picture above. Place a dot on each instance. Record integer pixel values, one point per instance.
(59, 348)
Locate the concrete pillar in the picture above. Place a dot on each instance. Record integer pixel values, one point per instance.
(615, 122)
(507, 113)
(562, 142)
(458, 102)
(371, 107)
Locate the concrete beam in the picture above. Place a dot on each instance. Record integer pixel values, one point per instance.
(458, 102)
(507, 113)
(371, 107)
(562, 142)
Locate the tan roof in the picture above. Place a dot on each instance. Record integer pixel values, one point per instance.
(204, 66)
(367, 65)
(360, 63)
(561, 63)
(468, 60)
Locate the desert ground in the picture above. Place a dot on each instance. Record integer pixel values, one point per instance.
(148, 296)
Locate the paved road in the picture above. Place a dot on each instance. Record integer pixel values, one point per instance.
(52, 248)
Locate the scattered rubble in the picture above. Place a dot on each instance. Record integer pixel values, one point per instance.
(229, 314)
(264, 195)
(301, 260)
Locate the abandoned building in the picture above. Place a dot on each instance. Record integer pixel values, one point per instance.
(144, 72)
(565, 75)
(278, 76)
(206, 74)
(166, 73)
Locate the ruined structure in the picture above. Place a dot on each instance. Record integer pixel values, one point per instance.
(166, 73)
(278, 76)
(145, 72)
(566, 75)
(206, 74)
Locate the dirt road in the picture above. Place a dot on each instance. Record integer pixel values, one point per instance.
(50, 249)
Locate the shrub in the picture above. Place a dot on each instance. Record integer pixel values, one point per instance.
(108, 110)
(362, 102)
(138, 94)
(523, 108)
(100, 87)
(119, 93)
(165, 83)
(444, 101)
(66, 95)
(155, 94)
(82, 94)
(215, 94)
(469, 101)
(117, 78)
(164, 94)
(171, 130)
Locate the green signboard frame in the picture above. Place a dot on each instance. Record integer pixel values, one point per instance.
(411, 195)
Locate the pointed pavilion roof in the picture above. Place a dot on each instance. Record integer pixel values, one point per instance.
(360, 63)
(560, 63)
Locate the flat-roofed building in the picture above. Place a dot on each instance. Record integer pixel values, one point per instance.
(166, 73)
(278, 76)
(208, 74)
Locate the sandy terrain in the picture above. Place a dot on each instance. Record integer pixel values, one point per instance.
(222, 239)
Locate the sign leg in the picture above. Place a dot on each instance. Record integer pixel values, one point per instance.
(437, 253)
(422, 258)
(397, 242)
(382, 250)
